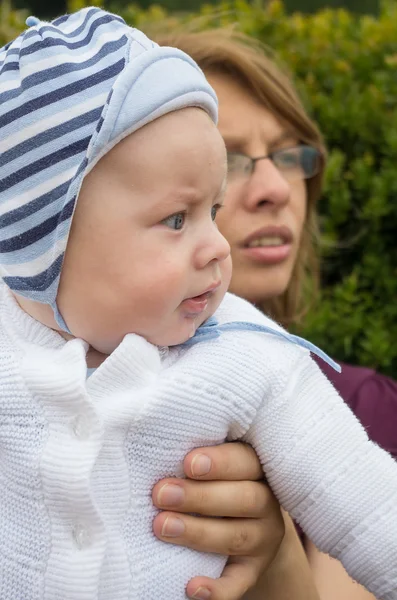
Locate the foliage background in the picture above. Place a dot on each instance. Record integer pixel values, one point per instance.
(345, 66)
(52, 8)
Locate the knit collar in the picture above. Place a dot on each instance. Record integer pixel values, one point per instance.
(21, 327)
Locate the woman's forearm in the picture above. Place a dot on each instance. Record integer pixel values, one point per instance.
(332, 581)
(289, 577)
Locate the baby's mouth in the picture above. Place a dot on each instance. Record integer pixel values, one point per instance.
(197, 304)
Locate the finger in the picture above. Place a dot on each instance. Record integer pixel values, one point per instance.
(221, 536)
(249, 499)
(227, 462)
(239, 575)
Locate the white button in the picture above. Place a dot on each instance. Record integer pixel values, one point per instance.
(81, 536)
(81, 427)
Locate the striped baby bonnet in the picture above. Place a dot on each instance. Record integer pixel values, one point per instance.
(69, 91)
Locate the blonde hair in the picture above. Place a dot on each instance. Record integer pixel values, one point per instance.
(229, 52)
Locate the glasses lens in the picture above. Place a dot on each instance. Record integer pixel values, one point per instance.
(238, 165)
(301, 162)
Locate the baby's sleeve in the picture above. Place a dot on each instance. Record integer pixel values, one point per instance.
(337, 484)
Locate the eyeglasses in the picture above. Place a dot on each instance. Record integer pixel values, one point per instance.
(299, 162)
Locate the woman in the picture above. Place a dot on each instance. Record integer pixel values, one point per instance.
(276, 161)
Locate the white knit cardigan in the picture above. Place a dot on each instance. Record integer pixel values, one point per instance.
(79, 458)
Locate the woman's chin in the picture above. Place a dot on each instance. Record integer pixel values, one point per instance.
(260, 288)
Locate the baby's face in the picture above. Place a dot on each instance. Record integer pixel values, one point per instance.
(145, 255)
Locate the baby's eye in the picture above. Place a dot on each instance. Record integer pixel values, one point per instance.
(214, 210)
(175, 221)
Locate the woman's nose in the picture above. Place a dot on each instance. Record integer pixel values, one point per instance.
(267, 187)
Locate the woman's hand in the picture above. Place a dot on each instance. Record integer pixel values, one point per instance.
(222, 481)
(289, 575)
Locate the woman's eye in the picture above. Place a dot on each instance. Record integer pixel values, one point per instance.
(175, 221)
(214, 211)
(288, 159)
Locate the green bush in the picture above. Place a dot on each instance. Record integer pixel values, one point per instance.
(345, 66)
(12, 22)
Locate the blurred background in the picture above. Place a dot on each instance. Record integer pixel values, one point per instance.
(343, 57)
(52, 8)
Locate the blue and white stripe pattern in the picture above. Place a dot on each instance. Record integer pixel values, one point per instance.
(69, 91)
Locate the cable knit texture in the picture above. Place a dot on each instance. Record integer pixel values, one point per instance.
(79, 457)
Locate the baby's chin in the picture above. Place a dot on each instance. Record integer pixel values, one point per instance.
(173, 332)
(174, 337)
(184, 329)
(179, 335)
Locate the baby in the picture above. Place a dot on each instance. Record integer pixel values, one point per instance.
(111, 175)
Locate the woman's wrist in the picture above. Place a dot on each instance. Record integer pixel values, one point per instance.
(289, 575)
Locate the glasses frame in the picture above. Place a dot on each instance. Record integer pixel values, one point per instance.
(271, 156)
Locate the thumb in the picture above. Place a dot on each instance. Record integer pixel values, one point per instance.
(240, 574)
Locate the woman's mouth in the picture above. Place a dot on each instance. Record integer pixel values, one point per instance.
(270, 246)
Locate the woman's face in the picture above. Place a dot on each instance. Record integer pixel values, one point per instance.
(263, 213)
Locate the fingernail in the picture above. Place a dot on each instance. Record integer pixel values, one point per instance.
(171, 495)
(201, 465)
(202, 594)
(173, 527)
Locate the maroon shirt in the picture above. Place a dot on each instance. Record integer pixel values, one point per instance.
(373, 399)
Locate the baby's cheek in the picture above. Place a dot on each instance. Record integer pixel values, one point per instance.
(171, 280)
